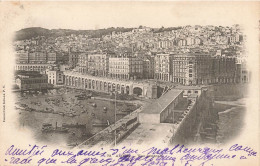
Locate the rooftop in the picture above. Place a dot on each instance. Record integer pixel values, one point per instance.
(147, 134)
(190, 87)
(182, 105)
(158, 105)
(31, 74)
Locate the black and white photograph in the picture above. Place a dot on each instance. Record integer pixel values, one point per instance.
(130, 76)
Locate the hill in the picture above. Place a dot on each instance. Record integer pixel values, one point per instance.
(29, 33)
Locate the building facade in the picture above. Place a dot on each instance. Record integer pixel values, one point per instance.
(32, 82)
(55, 77)
(242, 72)
(125, 66)
(83, 63)
(203, 68)
(22, 57)
(37, 57)
(163, 67)
(54, 57)
(162, 108)
(98, 64)
(33, 67)
(73, 59)
(148, 67)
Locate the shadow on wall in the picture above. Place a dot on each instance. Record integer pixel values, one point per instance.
(228, 91)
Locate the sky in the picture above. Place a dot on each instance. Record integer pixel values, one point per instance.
(96, 15)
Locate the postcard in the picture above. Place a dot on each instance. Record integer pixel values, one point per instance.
(121, 83)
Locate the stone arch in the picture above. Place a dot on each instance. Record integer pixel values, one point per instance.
(75, 81)
(82, 83)
(101, 86)
(69, 80)
(105, 86)
(118, 87)
(93, 84)
(109, 87)
(122, 89)
(138, 91)
(97, 85)
(89, 84)
(113, 87)
(79, 82)
(66, 80)
(86, 83)
(127, 89)
(72, 81)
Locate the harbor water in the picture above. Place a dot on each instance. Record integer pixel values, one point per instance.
(231, 120)
(67, 109)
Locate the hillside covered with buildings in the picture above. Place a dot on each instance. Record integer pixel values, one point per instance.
(189, 55)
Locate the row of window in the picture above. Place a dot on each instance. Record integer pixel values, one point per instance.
(34, 81)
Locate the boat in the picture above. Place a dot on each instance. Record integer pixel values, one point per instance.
(210, 138)
(61, 113)
(99, 124)
(61, 129)
(73, 125)
(72, 144)
(47, 127)
(71, 115)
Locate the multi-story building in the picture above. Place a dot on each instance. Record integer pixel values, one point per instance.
(37, 57)
(32, 67)
(163, 67)
(54, 57)
(55, 77)
(245, 74)
(148, 67)
(83, 63)
(242, 72)
(203, 68)
(22, 57)
(27, 81)
(224, 69)
(73, 58)
(192, 68)
(98, 64)
(125, 66)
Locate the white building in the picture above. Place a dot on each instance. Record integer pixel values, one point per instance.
(55, 77)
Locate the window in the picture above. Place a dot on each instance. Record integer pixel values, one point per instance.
(190, 75)
(196, 91)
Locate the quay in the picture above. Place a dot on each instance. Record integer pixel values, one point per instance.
(170, 119)
(106, 137)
